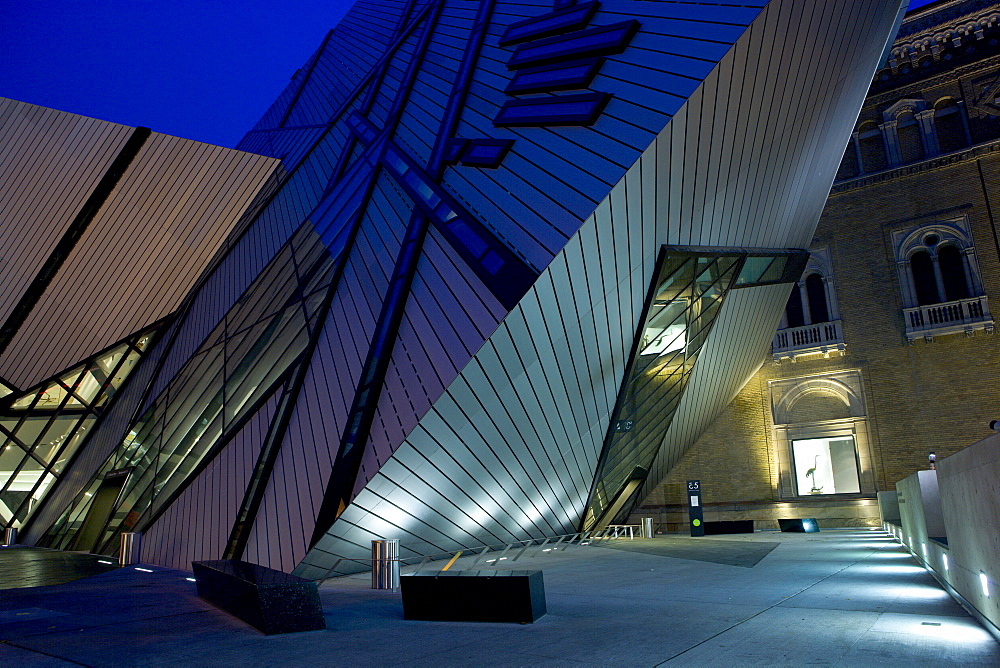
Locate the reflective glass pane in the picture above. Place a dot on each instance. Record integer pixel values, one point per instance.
(826, 466)
(690, 287)
(236, 366)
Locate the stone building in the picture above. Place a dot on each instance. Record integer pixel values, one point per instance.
(885, 352)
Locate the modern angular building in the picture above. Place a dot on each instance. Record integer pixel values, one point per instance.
(482, 273)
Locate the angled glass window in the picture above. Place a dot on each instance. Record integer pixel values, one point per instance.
(237, 366)
(681, 307)
(41, 429)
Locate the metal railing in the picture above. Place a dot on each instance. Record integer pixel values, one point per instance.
(499, 552)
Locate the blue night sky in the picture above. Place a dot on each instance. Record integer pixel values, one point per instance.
(201, 69)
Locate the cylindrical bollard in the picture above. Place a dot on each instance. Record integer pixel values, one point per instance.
(385, 564)
(131, 547)
(10, 536)
(647, 527)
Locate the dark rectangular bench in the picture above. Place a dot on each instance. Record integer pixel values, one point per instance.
(266, 599)
(728, 526)
(804, 525)
(474, 596)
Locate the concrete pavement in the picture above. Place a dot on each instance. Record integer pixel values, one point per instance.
(851, 598)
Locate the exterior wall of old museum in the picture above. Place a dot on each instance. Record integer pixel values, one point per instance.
(913, 398)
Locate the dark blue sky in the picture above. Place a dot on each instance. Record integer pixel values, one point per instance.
(201, 69)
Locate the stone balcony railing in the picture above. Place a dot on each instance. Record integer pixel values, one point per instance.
(822, 338)
(961, 316)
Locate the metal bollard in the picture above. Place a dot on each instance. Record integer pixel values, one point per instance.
(131, 546)
(385, 564)
(647, 527)
(10, 536)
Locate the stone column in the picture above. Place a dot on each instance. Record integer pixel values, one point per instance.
(857, 153)
(804, 295)
(965, 122)
(891, 140)
(939, 278)
(906, 280)
(927, 133)
(970, 276)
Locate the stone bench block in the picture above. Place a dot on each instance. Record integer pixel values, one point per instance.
(474, 596)
(804, 525)
(266, 599)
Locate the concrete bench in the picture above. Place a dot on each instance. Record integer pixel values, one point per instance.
(266, 599)
(474, 596)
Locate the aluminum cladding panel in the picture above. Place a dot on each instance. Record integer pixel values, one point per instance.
(509, 451)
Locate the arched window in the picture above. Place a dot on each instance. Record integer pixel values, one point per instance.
(794, 313)
(939, 277)
(924, 281)
(911, 146)
(872, 147)
(949, 125)
(812, 320)
(952, 266)
(816, 293)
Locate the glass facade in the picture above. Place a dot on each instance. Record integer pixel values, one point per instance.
(681, 307)
(240, 364)
(41, 429)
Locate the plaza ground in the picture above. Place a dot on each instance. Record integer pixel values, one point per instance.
(849, 597)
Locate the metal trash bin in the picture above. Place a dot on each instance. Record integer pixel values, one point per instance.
(385, 564)
(647, 527)
(131, 546)
(10, 536)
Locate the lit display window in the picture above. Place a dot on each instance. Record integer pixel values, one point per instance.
(826, 466)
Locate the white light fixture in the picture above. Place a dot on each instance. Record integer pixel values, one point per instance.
(144, 570)
(190, 579)
(102, 561)
(944, 560)
(985, 583)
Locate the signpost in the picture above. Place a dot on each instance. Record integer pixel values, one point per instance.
(694, 508)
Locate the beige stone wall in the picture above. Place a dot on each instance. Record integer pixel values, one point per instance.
(927, 396)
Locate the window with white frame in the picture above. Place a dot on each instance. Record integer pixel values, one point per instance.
(811, 322)
(939, 280)
(821, 435)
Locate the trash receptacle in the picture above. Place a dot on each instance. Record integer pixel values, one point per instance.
(131, 546)
(385, 564)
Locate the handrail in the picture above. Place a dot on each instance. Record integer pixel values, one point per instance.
(482, 550)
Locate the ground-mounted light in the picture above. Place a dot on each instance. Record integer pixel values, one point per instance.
(144, 570)
(984, 581)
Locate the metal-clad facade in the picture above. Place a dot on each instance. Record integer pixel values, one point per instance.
(141, 254)
(486, 257)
